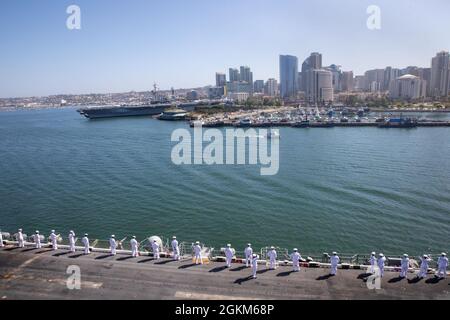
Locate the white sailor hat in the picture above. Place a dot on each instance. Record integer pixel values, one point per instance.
(444, 254)
(374, 253)
(53, 231)
(272, 247)
(134, 237)
(20, 230)
(381, 255)
(229, 245)
(37, 231)
(71, 231)
(425, 256)
(85, 234)
(174, 237)
(405, 255)
(197, 242)
(334, 253)
(255, 255)
(249, 244)
(295, 249)
(113, 236)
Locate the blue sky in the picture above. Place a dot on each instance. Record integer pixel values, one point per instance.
(128, 45)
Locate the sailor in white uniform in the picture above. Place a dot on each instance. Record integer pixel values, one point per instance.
(404, 266)
(248, 255)
(228, 255)
(296, 258)
(155, 248)
(1, 240)
(198, 253)
(72, 241)
(381, 262)
(21, 242)
(175, 249)
(134, 247)
(37, 240)
(54, 240)
(425, 260)
(373, 262)
(272, 258)
(334, 261)
(442, 266)
(255, 258)
(85, 242)
(113, 245)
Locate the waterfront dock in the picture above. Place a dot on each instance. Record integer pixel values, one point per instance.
(41, 274)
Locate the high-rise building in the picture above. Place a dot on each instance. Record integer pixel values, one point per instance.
(337, 74)
(320, 86)
(374, 80)
(347, 81)
(258, 86)
(221, 79)
(407, 87)
(271, 87)
(234, 75)
(246, 75)
(425, 74)
(440, 75)
(288, 76)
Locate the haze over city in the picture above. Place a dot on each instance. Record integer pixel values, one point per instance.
(129, 46)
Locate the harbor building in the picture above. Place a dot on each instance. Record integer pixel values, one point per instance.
(347, 83)
(440, 75)
(408, 87)
(192, 95)
(216, 92)
(239, 97)
(288, 76)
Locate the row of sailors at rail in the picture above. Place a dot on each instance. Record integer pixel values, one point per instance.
(250, 258)
(442, 264)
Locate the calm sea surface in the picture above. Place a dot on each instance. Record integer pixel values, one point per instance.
(345, 189)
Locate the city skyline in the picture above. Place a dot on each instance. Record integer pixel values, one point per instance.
(125, 55)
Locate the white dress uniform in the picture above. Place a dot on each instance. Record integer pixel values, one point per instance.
(228, 255)
(85, 241)
(113, 245)
(442, 266)
(373, 262)
(334, 261)
(198, 254)
(296, 257)
(134, 248)
(404, 266)
(37, 240)
(1, 240)
(425, 260)
(54, 240)
(72, 241)
(175, 249)
(254, 265)
(381, 262)
(155, 248)
(248, 255)
(20, 240)
(273, 259)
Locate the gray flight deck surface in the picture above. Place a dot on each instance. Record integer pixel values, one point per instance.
(41, 274)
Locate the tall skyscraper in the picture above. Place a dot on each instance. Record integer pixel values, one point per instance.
(246, 75)
(440, 75)
(288, 76)
(314, 61)
(221, 79)
(337, 75)
(271, 87)
(347, 83)
(320, 87)
(234, 75)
